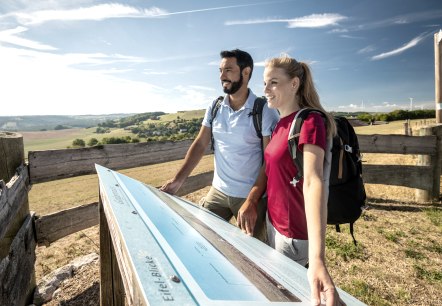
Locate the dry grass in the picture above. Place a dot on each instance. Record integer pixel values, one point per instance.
(397, 261)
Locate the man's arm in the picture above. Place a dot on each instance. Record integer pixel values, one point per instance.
(248, 213)
(193, 157)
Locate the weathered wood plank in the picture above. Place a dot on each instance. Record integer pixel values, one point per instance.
(56, 164)
(13, 196)
(11, 154)
(52, 227)
(196, 182)
(120, 284)
(419, 177)
(397, 144)
(106, 289)
(17, 274)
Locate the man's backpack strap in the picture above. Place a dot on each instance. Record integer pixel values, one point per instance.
(257, 115)
(215, 107)
(258, 106)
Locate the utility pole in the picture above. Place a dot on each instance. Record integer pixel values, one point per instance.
(411, 104)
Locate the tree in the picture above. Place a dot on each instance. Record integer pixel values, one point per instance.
(78, 143)
(92, 142)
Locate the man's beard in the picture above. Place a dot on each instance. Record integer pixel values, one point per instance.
(235, 86)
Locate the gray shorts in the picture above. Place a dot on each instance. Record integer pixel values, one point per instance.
(295, 249)
(227, 207)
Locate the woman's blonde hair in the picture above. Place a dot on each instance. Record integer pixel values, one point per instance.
(308, 96)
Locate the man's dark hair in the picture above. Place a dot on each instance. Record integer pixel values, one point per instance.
(242, 58)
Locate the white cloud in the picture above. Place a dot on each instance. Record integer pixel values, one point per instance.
(195, 96)
(367, 49)
(412, 43)
(316, 21)
(38, 83)
(310, 21)
(97, 12)
(10, 37)
(102, 12)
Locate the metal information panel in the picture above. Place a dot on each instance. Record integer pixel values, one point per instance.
(181, 254)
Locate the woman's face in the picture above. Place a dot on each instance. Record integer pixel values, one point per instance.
(279, 89)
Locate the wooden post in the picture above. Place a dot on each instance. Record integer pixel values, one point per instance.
(406, 127)
(438, 74)
(432, 193)
(17, 243)
(11, 157)
(12, 154)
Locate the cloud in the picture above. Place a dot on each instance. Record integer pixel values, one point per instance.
(316, 21)
(196, 94)
(401, 20)
(102, 12)
(97, 12)
(310, 21)
(40, 83)
(10, 37)
(367, 49)
(412, 43)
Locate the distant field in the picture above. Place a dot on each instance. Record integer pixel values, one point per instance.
(61, 139)
(394, 127)
(187, 115)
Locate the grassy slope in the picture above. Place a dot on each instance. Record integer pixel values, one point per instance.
(397, 260)
(61, 139)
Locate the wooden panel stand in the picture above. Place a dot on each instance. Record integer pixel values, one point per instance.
(111, 284)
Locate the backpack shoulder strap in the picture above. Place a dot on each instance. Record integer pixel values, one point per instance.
(293, 140)
(215, 107)
(257, 115)
(258, 107)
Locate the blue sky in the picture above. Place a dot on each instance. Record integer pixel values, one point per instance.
(95, 57)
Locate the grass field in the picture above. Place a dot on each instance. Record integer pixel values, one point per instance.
(397, 261)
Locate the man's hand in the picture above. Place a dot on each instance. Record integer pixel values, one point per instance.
(247, 216)
(171, 186)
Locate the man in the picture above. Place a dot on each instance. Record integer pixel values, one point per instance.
(237, 148)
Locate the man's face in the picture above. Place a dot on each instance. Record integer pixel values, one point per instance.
(230, 75)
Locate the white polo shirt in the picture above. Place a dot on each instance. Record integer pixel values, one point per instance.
(238, 154)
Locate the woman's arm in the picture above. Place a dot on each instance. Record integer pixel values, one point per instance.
(316, 215)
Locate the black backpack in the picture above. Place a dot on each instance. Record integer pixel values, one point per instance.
(258, 106)
(346, 198)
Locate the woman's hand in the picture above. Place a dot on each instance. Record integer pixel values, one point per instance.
(321, 285)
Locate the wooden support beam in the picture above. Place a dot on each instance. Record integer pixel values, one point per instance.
(438, 74)
(52, 165)
(52, 227)
(397, 144)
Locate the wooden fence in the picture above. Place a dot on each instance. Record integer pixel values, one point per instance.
(18, 246)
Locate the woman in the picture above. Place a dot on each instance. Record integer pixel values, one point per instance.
(296, 220)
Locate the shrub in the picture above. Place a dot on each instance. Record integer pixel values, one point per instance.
(78, 143)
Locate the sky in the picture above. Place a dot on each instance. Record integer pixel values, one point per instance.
(60, 57)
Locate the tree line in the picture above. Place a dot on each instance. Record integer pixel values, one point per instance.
(397, 115)
(178, 129)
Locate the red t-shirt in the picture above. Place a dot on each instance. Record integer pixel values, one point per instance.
(285, 201)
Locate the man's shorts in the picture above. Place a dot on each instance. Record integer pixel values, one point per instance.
(227, 207)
